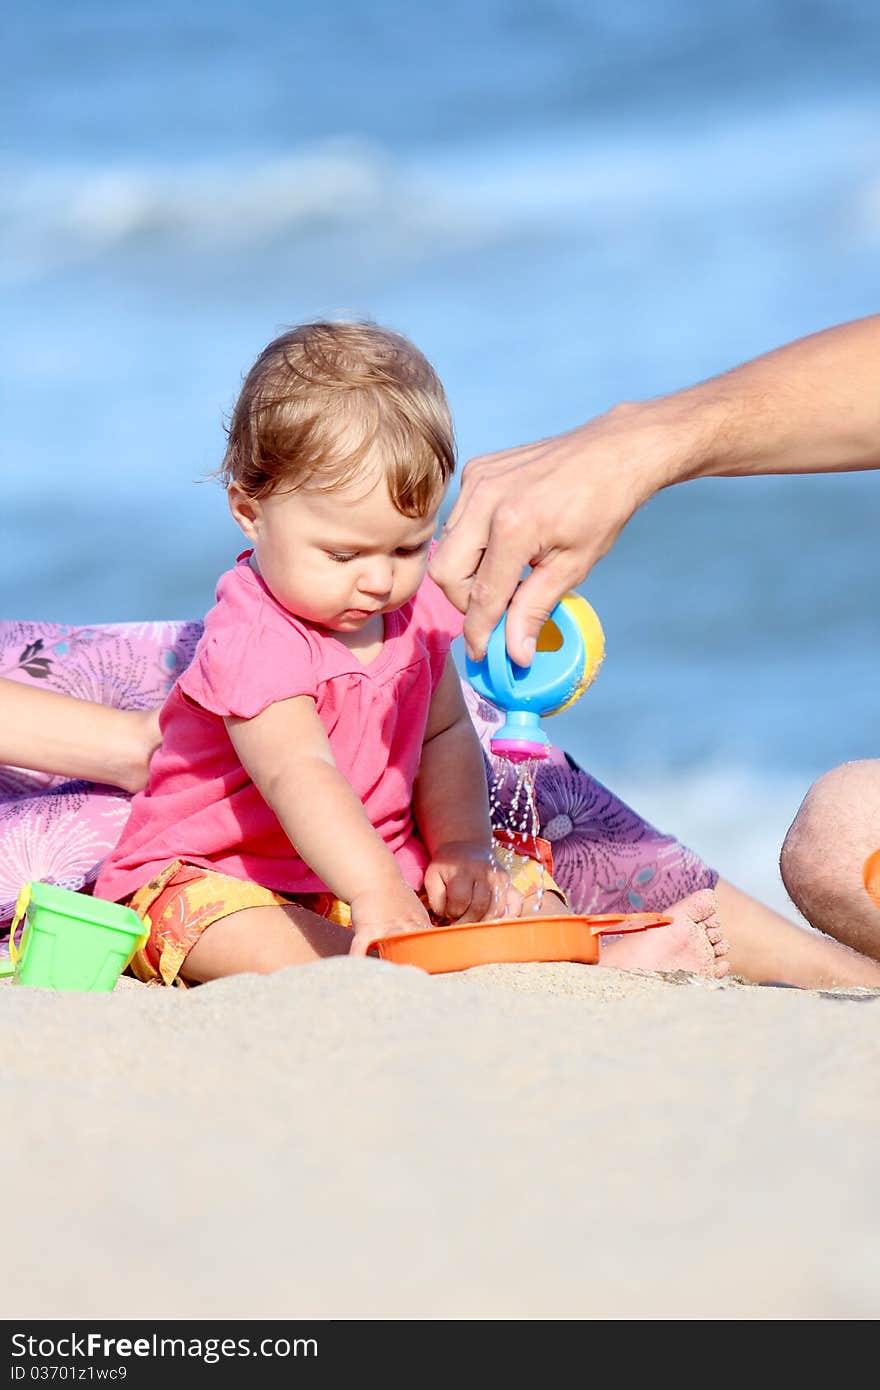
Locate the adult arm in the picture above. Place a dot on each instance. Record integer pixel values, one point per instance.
(50, 732)
(558, 505)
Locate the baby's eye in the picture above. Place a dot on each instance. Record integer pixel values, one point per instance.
(411, 549)
(340, 558)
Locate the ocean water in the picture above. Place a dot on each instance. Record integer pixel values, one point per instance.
(565, 204)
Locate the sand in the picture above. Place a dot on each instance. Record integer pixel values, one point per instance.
(355, 1139)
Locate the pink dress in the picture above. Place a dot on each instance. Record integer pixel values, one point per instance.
(202, 807)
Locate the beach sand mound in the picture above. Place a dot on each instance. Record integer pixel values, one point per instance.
(354, 1139)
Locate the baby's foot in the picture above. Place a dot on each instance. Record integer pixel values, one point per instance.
(693, 941)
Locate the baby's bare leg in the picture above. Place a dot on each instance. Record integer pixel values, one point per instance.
(263, 939)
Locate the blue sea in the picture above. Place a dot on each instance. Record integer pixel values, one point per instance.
(565, 203)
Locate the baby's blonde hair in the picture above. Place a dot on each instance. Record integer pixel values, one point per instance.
(321, 396)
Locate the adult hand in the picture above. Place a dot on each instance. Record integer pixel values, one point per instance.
(557, 505)
(810, 406)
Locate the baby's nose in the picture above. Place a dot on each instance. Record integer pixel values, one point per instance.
(378, 576)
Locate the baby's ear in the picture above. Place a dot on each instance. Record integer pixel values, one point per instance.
(245, 510)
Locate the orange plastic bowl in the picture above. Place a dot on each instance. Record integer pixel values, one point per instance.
(510, 939)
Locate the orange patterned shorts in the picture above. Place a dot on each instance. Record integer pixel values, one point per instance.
(182, 900)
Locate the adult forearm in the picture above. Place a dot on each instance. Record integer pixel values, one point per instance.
(558, 505)
(810, 406)
(51, 732)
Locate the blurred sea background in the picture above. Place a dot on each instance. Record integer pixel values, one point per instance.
(565, 203)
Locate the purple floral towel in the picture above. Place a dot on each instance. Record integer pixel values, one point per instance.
(51, 828)
(605, 856)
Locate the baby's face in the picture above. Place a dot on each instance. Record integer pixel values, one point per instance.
(337, 558)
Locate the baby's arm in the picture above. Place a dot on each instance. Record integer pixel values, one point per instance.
(286, 752)
(50, 732)
(451, 801)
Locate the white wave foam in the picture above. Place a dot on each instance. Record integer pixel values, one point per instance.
(58, 215)
(53, 215)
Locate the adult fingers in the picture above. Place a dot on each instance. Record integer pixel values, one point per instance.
(459, 551)
(535, 599)
(511, 544)
(469, 528)
(479, 472)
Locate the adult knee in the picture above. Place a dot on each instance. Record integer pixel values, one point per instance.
(830, 837)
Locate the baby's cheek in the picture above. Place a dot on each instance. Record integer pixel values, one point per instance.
(410, 579)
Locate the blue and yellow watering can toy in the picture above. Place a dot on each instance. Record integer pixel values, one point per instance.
(570, 649)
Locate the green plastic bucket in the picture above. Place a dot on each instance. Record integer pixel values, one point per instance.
(72, 941)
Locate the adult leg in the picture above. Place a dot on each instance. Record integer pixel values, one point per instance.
(835, 830)
(767, 948)
(692, 941)
(608, 859)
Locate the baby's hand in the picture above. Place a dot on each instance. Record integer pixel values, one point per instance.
(465, 883)
(387, 910)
